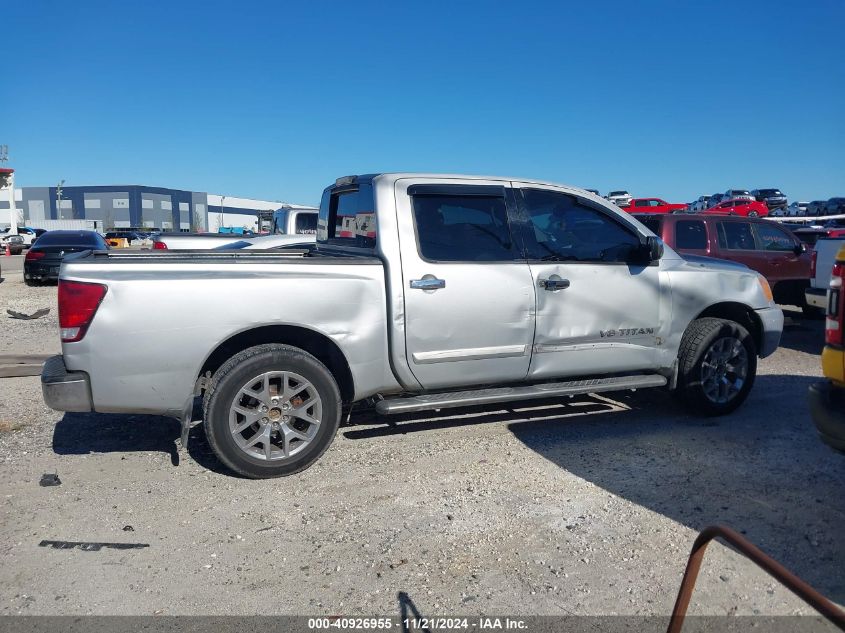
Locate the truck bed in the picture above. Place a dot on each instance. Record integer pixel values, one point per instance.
(189, 304)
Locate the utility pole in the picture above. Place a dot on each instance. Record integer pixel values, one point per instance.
(13, 210)
(222, 202)
(59, 199)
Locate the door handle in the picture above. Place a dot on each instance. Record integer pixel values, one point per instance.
(428, 283)
(554, 284)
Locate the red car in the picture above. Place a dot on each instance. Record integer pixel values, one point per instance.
(745, 208)
(762, 245)
(654, 205)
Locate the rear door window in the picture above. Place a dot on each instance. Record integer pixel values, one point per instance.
(690, 234)
(463, 228)
(736, 236)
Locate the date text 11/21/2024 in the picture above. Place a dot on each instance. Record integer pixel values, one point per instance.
(418, 623)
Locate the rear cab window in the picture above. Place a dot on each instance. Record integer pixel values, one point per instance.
(306, 223)
(347, 215)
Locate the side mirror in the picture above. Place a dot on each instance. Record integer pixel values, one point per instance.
(654, 248)
(650, 250)
(798, 249)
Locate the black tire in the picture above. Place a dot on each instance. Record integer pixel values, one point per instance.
(30, 282)
(697, 341)
(225, 387)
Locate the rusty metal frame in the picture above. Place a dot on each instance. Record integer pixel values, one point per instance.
(789, 580)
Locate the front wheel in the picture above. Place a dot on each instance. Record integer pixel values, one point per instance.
(717, 364)
(753, 214)
(271, 411)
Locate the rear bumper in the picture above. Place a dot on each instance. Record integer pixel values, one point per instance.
(816, 297)
(772, 322)
(65, 390)
(827, 407)
(41, 271)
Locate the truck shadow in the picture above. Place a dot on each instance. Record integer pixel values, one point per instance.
(86, 433)
(762, 471)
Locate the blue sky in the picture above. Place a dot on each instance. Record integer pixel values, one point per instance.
(275, 100)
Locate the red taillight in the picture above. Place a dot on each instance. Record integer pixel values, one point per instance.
(814, 256)
(159, 246)
(78, 303)
(32, 255)
(835, 322)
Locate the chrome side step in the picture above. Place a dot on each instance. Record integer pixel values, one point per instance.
(426, 402)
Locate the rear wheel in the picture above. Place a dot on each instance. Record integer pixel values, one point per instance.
(753, 214)
(717, 364)
(271, 410)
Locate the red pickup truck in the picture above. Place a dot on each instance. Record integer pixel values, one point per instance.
(654, 205)
(762, 245)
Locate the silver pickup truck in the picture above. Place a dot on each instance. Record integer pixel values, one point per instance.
(423, 292)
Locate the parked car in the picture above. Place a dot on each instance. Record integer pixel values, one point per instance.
(460, 291)
(835, 206)
(699, 205)
(796, 209)
(773, 198)
(738, 194)
(654, 205)
(620, 198)
(715, 199)
(743, 207)
(127, 235)
(827, 398)
(817, 207)
(45, 256)
(14, 241)
(764, 246)
(28, 234)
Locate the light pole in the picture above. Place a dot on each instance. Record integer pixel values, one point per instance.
(220, 223)
(59, 199)
(9, 179)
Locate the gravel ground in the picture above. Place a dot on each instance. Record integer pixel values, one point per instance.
(586, 506)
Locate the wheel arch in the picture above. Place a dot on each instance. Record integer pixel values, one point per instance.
(739, 313)
(315, 343)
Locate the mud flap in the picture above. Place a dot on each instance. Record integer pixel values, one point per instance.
(188, 423)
